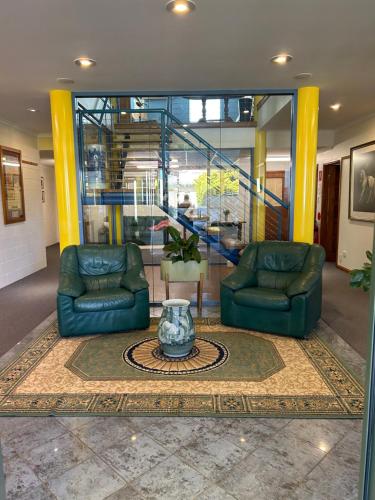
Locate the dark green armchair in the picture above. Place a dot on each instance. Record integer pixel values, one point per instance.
(102, 289)
(276, 288)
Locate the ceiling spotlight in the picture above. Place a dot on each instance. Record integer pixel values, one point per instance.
(336, 106)
(32, 109)
(246, 111)
(123, 112)
(85, 62)
(281, 58)
(65, 81)
(180, 6)
(303, 76)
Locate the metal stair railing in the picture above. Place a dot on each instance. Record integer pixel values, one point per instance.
(166, 120)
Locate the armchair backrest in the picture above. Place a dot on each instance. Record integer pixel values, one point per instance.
(99, 266)
(278, 263)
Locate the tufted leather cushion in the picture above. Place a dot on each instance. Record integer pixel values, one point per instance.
(282, 256)
(273, 279)
(93, 283)
(96, 260)
(104, 300)
(262, 298)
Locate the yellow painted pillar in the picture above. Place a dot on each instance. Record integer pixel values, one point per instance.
(259, 174)
(119, 223)
(65, 167)
(305, 173)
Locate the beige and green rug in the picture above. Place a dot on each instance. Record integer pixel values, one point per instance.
(231, 372)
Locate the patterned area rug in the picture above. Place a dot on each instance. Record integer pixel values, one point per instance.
(230, 372)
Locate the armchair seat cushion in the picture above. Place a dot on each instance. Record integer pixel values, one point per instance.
(108, 299)
(262, 298)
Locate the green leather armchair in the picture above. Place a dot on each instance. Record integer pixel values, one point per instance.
(276, 288)
(102, 289)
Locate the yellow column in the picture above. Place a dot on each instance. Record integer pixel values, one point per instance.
(259, 174)
(65, 167)
(119, 223)
(110, 224)
(305, 174)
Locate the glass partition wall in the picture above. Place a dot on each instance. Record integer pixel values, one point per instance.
(215, 165)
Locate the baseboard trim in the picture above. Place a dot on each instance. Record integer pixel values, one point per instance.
(342, 268)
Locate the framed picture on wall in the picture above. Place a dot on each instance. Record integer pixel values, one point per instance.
(12, 185)
(362, 182)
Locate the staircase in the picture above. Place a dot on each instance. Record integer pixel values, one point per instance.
(145, 151)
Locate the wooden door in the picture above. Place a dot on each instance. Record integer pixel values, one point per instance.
(275, 182)
(329, 226)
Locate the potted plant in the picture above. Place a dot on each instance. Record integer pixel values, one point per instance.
(183, 260)
(361, 278)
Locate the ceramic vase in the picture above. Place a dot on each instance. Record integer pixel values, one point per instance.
(176, 328)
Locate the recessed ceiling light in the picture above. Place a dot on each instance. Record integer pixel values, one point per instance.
(32, 109)
(180, 6)
(65, 81)
(246, 111)
(123, 112)
(336, 106)
(303, 76)
(281, 58)
(85, 62)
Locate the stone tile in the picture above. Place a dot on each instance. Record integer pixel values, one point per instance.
(73, 423)
(179, 431)
(246, 433)
(11, 425)
(214, 493)
(36, 433)
(135, 456)
(171, 480)
(212, 458)
(19, 478)
(92, 479)
(335, 478)
(256, 479)
(290, 454)
(126, 493)
(322, 434)
(56, 456)
(37, 493)
(104, 432)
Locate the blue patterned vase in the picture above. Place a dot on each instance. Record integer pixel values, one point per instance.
(176, 328)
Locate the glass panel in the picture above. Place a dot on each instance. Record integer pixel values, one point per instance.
(217, 166)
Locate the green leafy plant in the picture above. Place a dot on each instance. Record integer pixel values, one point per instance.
(182, 249)
(361, 278)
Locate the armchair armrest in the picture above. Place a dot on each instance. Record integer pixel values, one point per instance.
(304, 283)
(71, 285)
(240, 278)
(134, 280)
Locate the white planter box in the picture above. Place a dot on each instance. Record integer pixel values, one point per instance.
(183, 271)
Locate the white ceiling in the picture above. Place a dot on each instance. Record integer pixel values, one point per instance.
(224, 44)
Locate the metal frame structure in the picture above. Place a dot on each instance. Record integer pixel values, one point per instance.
(168, 117)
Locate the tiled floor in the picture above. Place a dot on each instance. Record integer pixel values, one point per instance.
(118, 458)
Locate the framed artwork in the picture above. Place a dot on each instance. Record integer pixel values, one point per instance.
(362, 182)
(12, 185)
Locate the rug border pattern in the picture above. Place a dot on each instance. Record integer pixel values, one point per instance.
(347, 401)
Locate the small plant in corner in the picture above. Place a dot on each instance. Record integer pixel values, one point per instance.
(182, 249)
(361, 278)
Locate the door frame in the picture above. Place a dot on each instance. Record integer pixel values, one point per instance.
(339, 165)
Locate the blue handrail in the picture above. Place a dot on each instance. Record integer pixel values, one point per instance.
(162, 111)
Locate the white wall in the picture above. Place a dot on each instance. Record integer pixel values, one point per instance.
(22, 247)
(355, 237)
(49, 207)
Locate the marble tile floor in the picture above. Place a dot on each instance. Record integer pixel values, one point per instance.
(177, 458)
